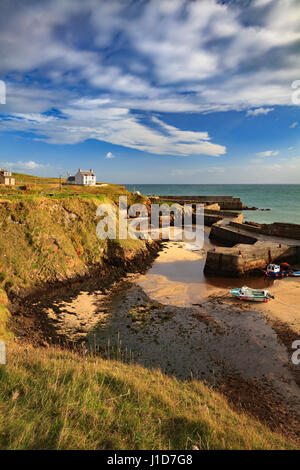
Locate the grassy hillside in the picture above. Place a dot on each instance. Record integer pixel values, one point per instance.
(31, 187)
(47, 239)
(23, 178)
(53, 399)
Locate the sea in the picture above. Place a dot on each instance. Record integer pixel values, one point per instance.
(283, 200)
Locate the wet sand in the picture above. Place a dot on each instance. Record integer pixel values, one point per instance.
(286, 305)
(177, 277)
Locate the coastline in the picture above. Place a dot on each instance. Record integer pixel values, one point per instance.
(152, 305)
(163, 321)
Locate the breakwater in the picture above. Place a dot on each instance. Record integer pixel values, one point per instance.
(277, 229)
(225, 202)
(243, 258)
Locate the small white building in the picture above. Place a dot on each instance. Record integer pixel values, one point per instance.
(83, 177)
(6, 177)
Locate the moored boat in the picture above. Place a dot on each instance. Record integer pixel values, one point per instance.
(255, 295)
(276, 272)
(295, 273)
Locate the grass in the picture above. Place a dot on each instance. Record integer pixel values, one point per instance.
(54, 399)
(5, 334)
(31, 187)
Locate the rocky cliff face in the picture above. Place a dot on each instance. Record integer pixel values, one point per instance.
(45, 241)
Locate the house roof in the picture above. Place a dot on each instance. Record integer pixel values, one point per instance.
(86, 173)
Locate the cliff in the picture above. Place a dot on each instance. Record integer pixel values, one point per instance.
(48, 240)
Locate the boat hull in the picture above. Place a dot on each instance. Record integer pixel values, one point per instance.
(277, 275)
(252, 299)
(252, 295)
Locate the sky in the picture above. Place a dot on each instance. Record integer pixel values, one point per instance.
(152, 91)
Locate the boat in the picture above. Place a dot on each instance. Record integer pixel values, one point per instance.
(276, 272)
(295, 273)
(255, 295)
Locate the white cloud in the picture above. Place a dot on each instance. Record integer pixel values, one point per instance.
(93, 120)
(110, 155)
(268, 153)
(22, 165)
(183, 56)
(295, 124)
(35, 118)
(258, 111)
(262, 3)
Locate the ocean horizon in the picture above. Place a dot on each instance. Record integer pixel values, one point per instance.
(283, 200)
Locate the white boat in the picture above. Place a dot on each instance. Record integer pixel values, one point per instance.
(255, 295)
(295, 273)
(275, 271)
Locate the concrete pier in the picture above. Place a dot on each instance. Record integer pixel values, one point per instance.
(234, 262)
(225, 202)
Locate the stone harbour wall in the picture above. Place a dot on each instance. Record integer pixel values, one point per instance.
(230, 237)
(225, 202)
(234, 262)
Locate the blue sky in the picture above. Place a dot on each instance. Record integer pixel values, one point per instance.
(167, 91)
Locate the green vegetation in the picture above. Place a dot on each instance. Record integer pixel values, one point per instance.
(140, 313)
(32, 187)
(47, 238)
(54, 399)
(5, 334)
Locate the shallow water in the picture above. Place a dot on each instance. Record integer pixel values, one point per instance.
(177, 277)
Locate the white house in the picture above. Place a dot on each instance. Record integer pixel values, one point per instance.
(82, 177)
(6, 177)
